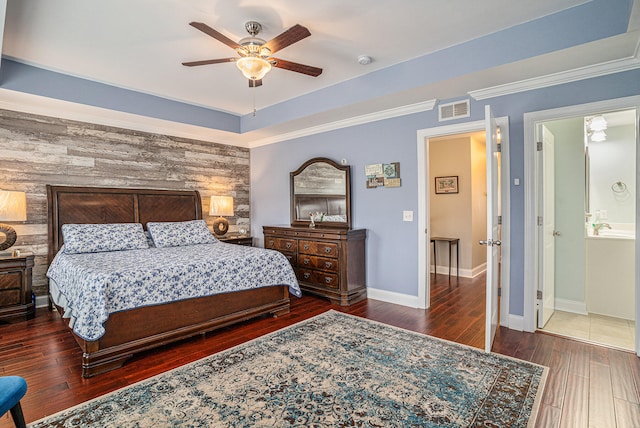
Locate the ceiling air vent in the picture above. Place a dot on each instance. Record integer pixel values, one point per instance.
(454, 110)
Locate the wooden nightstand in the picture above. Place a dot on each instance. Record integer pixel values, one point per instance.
(16, 302)
(238, 240)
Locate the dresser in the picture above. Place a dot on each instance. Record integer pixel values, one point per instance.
(327, 262)
(16, 303)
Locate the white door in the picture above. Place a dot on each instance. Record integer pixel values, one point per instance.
(547, 231)
(493, 230)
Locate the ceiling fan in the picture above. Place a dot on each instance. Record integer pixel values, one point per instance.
(255, 53)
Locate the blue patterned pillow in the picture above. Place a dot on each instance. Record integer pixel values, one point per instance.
(177, 234)
(96, 238)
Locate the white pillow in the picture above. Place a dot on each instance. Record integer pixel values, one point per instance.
(177, 234)
(96, 238)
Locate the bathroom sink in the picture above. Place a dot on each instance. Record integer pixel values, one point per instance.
(617, 233)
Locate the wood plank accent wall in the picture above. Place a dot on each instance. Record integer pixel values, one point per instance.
(38, 150)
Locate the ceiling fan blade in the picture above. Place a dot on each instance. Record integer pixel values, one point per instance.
(294, 66)
(209, 61)
(289, 37)
(215, 34)
(255, 83)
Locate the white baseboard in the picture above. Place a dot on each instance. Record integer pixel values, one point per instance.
(479, 269)
(572, 306)
(42, 301)
(464, 273)
(515, 322)
(392, 297)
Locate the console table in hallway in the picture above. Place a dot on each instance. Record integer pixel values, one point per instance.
(450, 241)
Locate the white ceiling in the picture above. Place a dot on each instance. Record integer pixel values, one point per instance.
(140, 44)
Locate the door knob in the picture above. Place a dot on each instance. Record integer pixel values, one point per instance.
(556, 233)
(490, 243)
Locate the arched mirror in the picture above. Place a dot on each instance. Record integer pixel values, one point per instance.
(321, 194)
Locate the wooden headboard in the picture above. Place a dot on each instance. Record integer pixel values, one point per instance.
(111, 205)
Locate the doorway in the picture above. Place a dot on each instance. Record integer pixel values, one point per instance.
(424, 249)
(588, 224)
(579, 283)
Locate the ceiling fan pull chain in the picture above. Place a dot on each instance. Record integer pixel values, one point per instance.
(254, 102)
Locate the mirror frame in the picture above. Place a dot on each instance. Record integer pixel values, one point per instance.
(324, 224)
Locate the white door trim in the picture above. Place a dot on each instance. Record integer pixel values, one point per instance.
(530, 195)
(423, 136)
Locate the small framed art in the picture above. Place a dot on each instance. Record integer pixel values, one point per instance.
(445, 185)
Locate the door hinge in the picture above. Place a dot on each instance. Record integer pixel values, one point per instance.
(499, 291)
(499, 147)
(539, 294)
(540, 220)
(499, 219)
(539, 146)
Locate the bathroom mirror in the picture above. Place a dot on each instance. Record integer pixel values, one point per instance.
(321, 194)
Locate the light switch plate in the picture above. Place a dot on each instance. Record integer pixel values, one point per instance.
(407, 215)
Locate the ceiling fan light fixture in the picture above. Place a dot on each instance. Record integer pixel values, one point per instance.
(253, 68)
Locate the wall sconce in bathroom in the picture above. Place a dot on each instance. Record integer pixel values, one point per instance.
(598, 136)
(595, 128)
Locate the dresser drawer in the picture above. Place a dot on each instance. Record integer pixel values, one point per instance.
(315, 262)
(324, 279)
(324, 249)
(293, 258)
(281, 244)
(10, 280)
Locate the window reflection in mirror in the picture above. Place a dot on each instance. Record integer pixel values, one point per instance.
(320, 194)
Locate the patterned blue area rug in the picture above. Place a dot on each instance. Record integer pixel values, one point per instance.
(334, 370)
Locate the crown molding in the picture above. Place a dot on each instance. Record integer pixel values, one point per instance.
(581, 73)
(345, 123)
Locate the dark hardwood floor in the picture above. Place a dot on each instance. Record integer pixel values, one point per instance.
(587, 385)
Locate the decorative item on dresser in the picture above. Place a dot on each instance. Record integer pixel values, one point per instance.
(327, 262)
(16, 300)
(326, 254)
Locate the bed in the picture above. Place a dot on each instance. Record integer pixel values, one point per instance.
(127, 331)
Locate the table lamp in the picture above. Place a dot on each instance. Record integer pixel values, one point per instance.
(13, 207)
(221, 206)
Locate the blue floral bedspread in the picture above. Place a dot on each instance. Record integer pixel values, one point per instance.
(98, 284)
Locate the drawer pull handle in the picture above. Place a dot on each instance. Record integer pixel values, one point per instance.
(327, 279)
(328, 265)
(306, 247)
(306, 261)
(327, 250)
(288, 245)
(307, 275)
(271, 242)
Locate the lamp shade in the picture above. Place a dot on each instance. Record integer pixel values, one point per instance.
(13, 206)
(221, 206)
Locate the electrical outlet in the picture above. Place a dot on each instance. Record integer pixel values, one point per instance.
(407, 215)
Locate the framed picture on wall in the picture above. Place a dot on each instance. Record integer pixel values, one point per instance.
(445, 185)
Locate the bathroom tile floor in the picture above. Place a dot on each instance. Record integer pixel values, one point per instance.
(600, 329)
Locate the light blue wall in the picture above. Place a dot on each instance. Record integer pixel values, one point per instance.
(392, 244)
(575, 26)
(37, 81)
